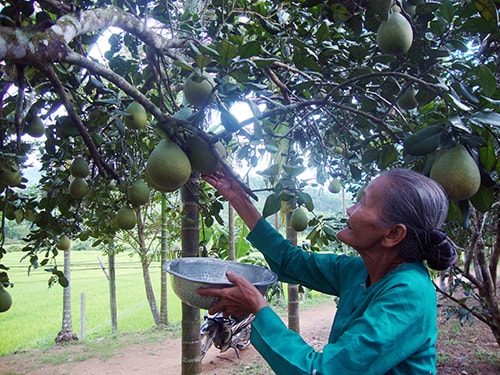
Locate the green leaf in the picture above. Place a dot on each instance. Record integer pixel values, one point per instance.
(447, 10)
(483, 200)
(184, 65)
(388, 154)
(487, 10)
(227, 51)
(486, 118)
(294, 170)
(487, 156)
(271, 171)
(271, 205)
(369, 156)
(208, 51)
(262, 63)
(250, 49)
(427, 7)
(63, 281)
(323, 32)
(487, 80)
(304, 199)
(304, 61)
(457, 102)
(424, 141)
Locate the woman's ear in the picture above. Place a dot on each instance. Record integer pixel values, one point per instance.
(395, 235)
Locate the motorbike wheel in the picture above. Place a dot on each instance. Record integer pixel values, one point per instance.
(242, 339)
(206, 340)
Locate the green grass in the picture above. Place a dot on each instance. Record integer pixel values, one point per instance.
(35, 317)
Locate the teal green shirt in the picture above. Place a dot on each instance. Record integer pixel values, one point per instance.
(389, 327)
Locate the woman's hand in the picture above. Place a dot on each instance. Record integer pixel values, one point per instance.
(238, 300)
(225, 184)
(231, 189)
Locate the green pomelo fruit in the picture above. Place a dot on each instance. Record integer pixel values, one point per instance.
(334, 186)
(395, 36)
(10, 177)
(10, 212)
(168, 167)
(137, 118)
(457, 172)
(407, 100)
(198, 89)
(337, 149)
(79, 168)
(125, 218)
(298, 220)
(201, 155)
(138, 193)
(63, 242)
(286, 195)
(78, 188)
(35, 127)
(5, 299)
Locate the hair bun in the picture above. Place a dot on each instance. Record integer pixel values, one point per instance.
(440, 253)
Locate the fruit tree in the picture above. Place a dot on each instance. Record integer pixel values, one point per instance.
(318, 87)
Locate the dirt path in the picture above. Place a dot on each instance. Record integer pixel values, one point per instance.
(164, 357)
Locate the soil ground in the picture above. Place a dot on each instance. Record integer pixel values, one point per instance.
(465, 350)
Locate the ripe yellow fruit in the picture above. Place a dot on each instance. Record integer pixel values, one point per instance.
(5, 299)
(298, 220)
(138, 117)
(79, 168)
(35, 127)
(407, 100)
(63, 243)
(78, 188)
(138, 193)
(168, 167)
(125, 218)
(198, 89)
(395, 36)
(457, 172)
(201, 155)
(334, 186)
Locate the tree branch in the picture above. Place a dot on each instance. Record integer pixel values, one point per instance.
(31, 47)
(54, 79)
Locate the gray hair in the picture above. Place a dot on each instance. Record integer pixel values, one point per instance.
(421, 205)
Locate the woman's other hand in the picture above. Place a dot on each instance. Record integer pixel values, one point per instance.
(238, 300)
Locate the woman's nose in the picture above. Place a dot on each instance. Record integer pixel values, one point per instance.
(349, 210)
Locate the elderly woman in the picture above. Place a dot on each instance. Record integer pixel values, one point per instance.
(386, 317)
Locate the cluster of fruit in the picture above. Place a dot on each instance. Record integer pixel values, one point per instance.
(78, 187)
(395, 37)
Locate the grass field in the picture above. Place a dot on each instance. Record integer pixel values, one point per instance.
(35, 317)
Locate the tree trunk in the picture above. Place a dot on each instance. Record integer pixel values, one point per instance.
(293, 289)
(230, 218)
(66, 333)
(112, 288)
(190, 234)
(149, 290)
(145, 262)
(164, 249)
(344, 215)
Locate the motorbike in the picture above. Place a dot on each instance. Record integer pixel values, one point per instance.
(225, 332)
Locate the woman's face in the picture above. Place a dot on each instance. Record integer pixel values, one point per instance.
(364, 230)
